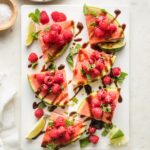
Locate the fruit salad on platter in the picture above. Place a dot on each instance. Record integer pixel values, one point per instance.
(91, 62)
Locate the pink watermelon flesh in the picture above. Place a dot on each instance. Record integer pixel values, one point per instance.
(51, 52)
(85, 107)
(54, 99)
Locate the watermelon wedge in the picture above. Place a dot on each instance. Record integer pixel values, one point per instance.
(54, 94)
(100, 107)
(52, 51)
(91, 65)
(102, 26)
(61, 131)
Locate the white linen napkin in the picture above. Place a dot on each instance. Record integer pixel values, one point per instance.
(8, 133)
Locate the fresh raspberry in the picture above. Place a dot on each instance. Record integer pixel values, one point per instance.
(103, 25)
(56, 88)
(101, 94)
(71, 130)
(45, 88)
(93, 139)
(46, 38)
(94, 72)
(56, 27)
(44, 19)
(61, 131)
(112, 28)
(68, 35)
(95, 102)
(98, 32)
(100, 65)
(40, 78)
(54, 133)
(112, 95)
(100, 19)
(61, 41)
(53, 36)
(48, 80)
(60, 121)
(113, 106)
(58, 16)
(91, 130)
(97, 112)
(116, 72)
(91, 61)
(33, 57)
(58, 78)
(108, 99)
(95, 55)
(39, 113)
(84, 68)
(67, 137)
(107, 80)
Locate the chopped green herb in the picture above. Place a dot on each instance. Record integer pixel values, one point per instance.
(52, 66)
(89, 11)
(84, 142)
(47, 28)
(69, 122)
(73, 52)
(104, 10)
(66, 112)
(75, 100)
(35, 35)
(106, 108)
(82, 71)
(50, 123)
(34, 65)
(35, 16)
(93, 24)
(93, 66)
(107, 129)
(51, 146)
(42, 105)
(121, 78)
(88, 77)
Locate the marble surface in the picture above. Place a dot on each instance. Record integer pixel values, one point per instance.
(10, 62)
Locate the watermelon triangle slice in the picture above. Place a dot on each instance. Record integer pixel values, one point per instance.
(92, 14)
(105, 108)
(59, 99)
(60, 141)
(88, 61)
(53, 51)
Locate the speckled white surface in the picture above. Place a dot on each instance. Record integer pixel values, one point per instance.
(140, 65)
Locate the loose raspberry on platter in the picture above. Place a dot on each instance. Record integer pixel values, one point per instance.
(33, 57)
(116, 71)
(91, 130)
(44, 18)
(58, 16)
(107, 80)
(39, 113)
(93, 139)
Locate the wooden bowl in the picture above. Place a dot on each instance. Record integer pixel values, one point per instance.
(12, 20)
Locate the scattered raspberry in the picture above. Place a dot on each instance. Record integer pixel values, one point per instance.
(95, 102)
(98, 32)
(108, 99)
(67, 137)
(39, 113)
(48, 80)
(56, 88)
(91, 130)
(53, 36)
(58, 16)
(93, 139)
(54, 134)
(61, 41)
(107, 80)
(97, 112)
(33, 57)
(61, 131)
(56, 27)
(112, 95)
(40, 78)
(45, 87)
(71, 130)
(60, 121)
(112, 28)
(100, 65)
(44, 19)
(46, 38)
(94, 72)
(58, 78)
(116, 72)
(101, 94)
(68, 35)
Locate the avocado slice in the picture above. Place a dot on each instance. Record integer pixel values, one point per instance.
(112, 46)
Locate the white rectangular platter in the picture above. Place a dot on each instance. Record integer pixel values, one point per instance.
(121, 117)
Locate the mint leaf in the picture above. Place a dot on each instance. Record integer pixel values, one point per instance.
(35, 16)
(51, 146)
(42, 105)
(121, 78)
(75, 100)
(106, 108)
(51, 123)
(84, 142)
(47, 28)
(69, 122)
(93, 24)
(73, 52)
(35, 35)
(34, 65)
(88, 77)
(107, 129)
(52, 66)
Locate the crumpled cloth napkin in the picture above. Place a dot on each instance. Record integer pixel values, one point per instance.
(9, 139)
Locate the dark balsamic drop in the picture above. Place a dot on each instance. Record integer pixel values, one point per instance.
(35, 105)
(97, 124)
(95, 47)
(82, 116)
(117, 12)
(85, 45)
(51, 108)
(120, 99)
(63, 107)
(80, 28)
(29, 66)
(72, 113)
(88, 89)
(99, 87)
(78, 39)
(123, 26)
(60, 67)
(41, 57)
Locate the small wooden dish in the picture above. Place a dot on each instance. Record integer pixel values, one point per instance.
(12, 20)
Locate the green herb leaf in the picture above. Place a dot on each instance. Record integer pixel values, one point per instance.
(52, 66)
(35, 16)
(42, 105)
(107, 129)
(69, 122)
(47, 28)
(51, 123)
(88, 11)
(106, 108)
(73, 52)
(35, 35)
(84, 142)
(121, 78)
(34, 65)
(51, 146)
(93, 24)
(88, 77)
(75, 100)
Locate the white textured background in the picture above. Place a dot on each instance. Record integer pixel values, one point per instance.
(140, 64)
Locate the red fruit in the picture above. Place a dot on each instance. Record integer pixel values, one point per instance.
(91, 61)
(116, 72)
(91, 130)
(107, 80)
(53, 37)
(97, 112)
(56, 27)
(98, 32)
(61, 41)
(48, 80)
(112, 95)
(58, 78)
(44, 19)
(95, 102)
(113, 106)
(100, 65)
(40, 78)
(67, 137)
(46, 38)
(45, 87)
(103, 25)
(95, 55)
(100, 19)
(101, 94)
(93, 139)
(94, 72)
(39, 113)
(112, 28)
(54, 134)
(68, 35)
(61, 131)
(70, 130)
(60, 121)
(56, 88)
(58, 16)
(33, 57)
(84, 68)
(108, 99)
